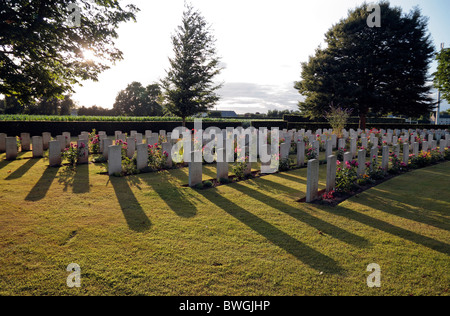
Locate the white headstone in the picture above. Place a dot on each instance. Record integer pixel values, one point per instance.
(11, 148)
(83, 151)
(331, 173)
(46, 138)
(25, 141)
(114, 159)
(300, 153)
(54, 153)
(37, 146)
(141, 156)
(361, 162)
(312, 180)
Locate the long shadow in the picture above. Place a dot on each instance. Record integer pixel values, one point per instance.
(19, 172)
(403, 211)
(81, 179)
(171, 194)
(269, 185)
(208, 171)
(290, 177)
(40, 189)
(302, 252)
(132, 210)
(302, 216)
(391, 229)
(4, 163)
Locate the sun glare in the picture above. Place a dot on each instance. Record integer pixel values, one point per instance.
(89, 55)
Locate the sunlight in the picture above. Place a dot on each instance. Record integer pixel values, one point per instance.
(89, 55)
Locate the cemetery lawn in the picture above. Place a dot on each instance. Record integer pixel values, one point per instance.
(148, 235)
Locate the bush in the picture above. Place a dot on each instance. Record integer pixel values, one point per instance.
(207, 184)
(346, 176)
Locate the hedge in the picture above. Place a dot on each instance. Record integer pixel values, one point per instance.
(292, 118)
(36, 128)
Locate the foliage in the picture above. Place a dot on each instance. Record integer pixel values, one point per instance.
(73, 153)
(310, 152)
(189, 87)
(239, 168)
(346, 176)
(41, 53)
(137, 100)
(338, 117)
(371, 70)
(396, 164)
(94, 142)
(442, 75)
(157, 158)
(285, 164)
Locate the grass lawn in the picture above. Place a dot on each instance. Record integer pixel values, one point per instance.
(149, 235)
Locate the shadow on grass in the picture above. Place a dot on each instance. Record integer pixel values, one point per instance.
(302, 216)
(23, 169)
(391, 229)
(81, 179)
(404, 210)
(132, 210)
(40, 189)
(302, 252)
(171, 193)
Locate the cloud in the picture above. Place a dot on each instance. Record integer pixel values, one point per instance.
(246, 97)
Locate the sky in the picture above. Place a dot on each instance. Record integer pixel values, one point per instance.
(261, 44)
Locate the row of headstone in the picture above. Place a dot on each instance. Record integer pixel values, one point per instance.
(312, 185)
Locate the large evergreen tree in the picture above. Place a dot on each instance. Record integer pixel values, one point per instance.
(371, 70)
(189, 87)
(41, 48)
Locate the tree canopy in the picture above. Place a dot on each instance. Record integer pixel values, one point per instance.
(41, 51)
(188, 88)
(137, 100)
(442, 75)
(377, 70)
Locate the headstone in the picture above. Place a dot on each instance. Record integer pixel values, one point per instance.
(334, 140)
(11, 148)
(167, 150)
(328, 148)
(25, 141)
(101, 142)
(114, 159)
(396, 150)
(405, 153)
(433, 144)
(416, 149)
(442, 145)
(83, 151)
(141, 156)
(106, 143)
(152, 140)
(138, 138)
(385, 158)
(67, 139)
(312, 180)
(195, 173)
(364, 142)
(46, 138)
(131, 147)
(300, 154)
(347, 157)
(54, 153)
(316, 147)
(331, 173)
(424, 146)
(284, 151)
(38, 146)
(361, 163)
(2, 142)
(222, 165)
(117, 134)
(373, 156)
(341, 143)
(62, 142)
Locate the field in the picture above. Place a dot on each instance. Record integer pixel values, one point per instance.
(149, 235)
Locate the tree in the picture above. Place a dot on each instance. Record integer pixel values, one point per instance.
(188, 88)
(442, 75)
(41, 52)
(138, 100)
(66, 105)
(366, 69)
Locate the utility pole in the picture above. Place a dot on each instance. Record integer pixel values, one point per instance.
(439, 97)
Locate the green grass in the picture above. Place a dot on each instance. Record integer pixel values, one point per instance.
(149, 235)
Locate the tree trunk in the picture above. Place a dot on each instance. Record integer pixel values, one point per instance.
(184, 121)
(362, 121)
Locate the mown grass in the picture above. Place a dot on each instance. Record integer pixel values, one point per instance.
(148, 235)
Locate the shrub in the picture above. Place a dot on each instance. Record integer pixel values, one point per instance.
(310, 152)
(239, 167)
(285, 164)
(207, 184)
(337, 117)
(224, 181)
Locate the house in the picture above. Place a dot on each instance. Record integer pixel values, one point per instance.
(444, 119)
(223, 114)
